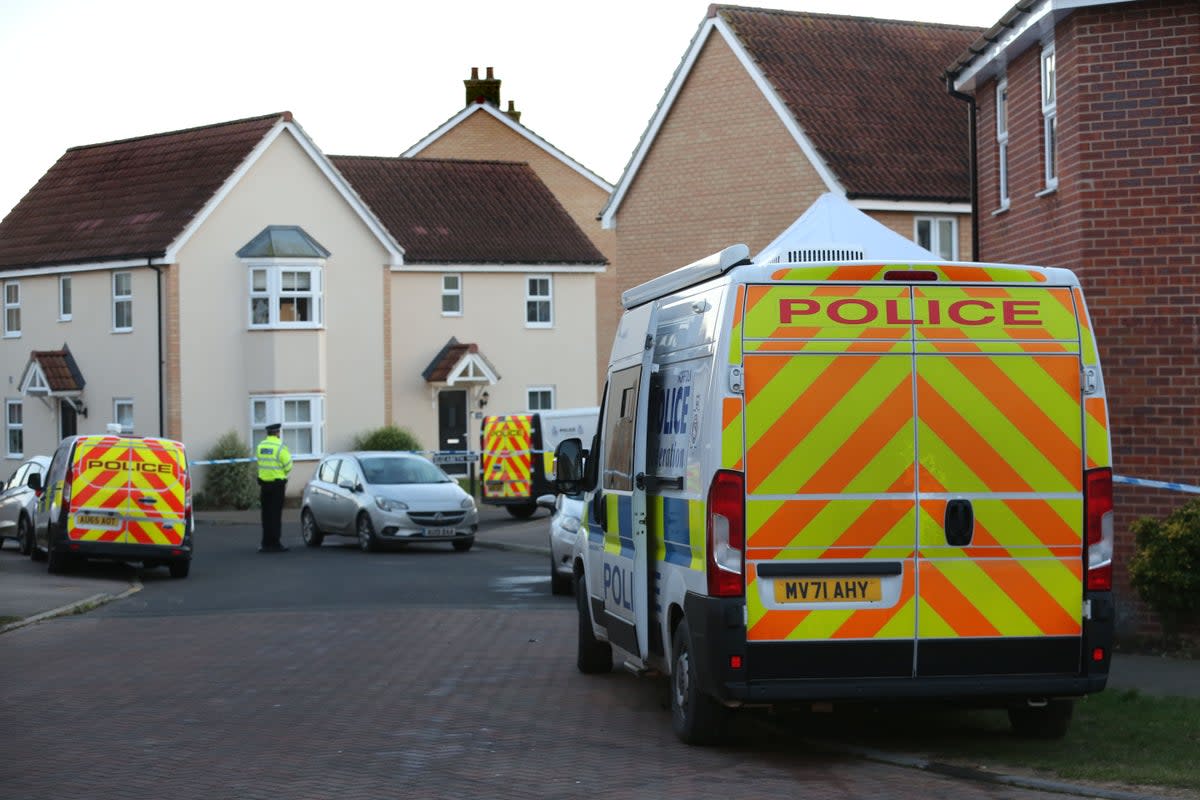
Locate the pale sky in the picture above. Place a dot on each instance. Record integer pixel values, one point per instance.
(363, 77)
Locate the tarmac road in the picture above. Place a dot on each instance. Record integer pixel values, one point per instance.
(285, 677)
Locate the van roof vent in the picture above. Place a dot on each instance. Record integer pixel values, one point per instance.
(809, 254)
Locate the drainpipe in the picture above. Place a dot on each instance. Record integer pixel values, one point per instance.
(159, 302)
(973, 150)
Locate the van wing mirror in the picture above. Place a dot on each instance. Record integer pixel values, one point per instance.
(568, 465)
(34, 482)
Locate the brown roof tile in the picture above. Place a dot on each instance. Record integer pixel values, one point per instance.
(870, 95)
(445, 211)
(126, 199)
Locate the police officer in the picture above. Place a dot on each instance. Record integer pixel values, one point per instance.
(274, 464)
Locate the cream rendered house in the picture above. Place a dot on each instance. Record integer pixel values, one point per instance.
(192, 283)
(481, 130)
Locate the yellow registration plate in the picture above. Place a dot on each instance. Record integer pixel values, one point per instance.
(828, 590)
(110, 521)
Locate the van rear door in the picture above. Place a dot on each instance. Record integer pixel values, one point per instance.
(831, 520)
(128, 491)
(1000, 483)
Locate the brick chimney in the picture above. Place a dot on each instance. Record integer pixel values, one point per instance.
(486, 90)
(512, 112)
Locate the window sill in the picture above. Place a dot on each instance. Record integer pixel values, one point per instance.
(121, 330)
(545, 326)
(270, 328)
(16, 335)
(1047, 191)
(452, 313)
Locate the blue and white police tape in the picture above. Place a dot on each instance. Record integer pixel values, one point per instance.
(437, 456)
(1174, 487)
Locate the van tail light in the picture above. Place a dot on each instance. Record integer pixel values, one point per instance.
(1098, 519)
(726, 532)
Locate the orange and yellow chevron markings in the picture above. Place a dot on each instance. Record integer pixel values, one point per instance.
(507, 456)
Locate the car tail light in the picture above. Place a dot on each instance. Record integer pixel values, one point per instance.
(726, 534)
(1098, 518)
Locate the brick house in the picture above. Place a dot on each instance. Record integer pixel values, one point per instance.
(210, 280)
(1088, 157)
(481, 130)
(768, 110)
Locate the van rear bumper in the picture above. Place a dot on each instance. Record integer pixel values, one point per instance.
(985, 671)
(115, 551)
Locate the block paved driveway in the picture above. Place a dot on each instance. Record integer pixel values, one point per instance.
(371, 700)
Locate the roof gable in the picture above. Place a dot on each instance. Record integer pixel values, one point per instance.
(52, 372)
(139, 200)
(447, 211)
(863, 99)
(517, 128)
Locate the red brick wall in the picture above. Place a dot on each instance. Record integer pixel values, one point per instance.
(1124, 217)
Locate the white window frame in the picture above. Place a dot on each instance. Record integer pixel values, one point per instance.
(452, 293)
(120, 403)
(14, 428)
(531, 391)
(1002, 142)
(65, 306)
(12, 309)
(282, 408)
(122, 300)
(1049, 84)
(274, 293)
(935, 235)
(547, 299)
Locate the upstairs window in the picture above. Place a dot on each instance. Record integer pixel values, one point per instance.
(64, 298)
(939, 235)
(1049, 117)
(12, 309)
(452, 305)
(1002, 141)
(122, 302)
(285, 297)
(539, 302)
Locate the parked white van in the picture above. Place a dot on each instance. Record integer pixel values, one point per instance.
(849, 481)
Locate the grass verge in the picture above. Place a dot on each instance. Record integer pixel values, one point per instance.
(1120, 737)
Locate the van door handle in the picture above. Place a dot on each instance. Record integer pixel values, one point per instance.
(144, 500)
(959, 522)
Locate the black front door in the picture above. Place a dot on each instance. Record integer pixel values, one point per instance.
(66, 420)
(452, 426)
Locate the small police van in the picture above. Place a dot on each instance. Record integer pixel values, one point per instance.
(517, 454)
(829, 482)
(116, 497)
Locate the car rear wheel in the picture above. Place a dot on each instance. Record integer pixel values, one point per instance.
(463, 545)
(522, 512)
(559, 584)
(366, 534)
(180, 569)
(309, 531)
(24, 535)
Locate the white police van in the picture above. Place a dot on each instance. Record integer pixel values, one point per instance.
(849, 480)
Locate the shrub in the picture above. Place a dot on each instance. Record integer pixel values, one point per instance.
(1165, 568)
(388, 437)
(230, 485)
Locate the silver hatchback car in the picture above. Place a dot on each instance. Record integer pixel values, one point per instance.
(17, 502)
(386, 498)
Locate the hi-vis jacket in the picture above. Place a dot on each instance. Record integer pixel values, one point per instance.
(855, 480)
(274, 460)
